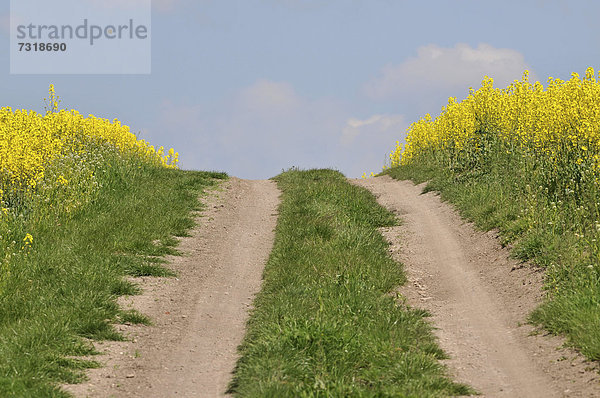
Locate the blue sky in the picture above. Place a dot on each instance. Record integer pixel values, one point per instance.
(252, 87)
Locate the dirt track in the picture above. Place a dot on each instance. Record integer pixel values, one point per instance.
(199, 318)
(478, 298)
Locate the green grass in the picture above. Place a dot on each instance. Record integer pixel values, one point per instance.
(325, 323)
(552, 230)
(64, 291)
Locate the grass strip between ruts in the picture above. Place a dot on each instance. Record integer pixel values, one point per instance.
(324, 323)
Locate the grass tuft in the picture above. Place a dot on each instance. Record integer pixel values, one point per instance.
(134, 317)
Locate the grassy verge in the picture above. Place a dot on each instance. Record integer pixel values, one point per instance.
(558, 235)
(324, 323)
(65, 289)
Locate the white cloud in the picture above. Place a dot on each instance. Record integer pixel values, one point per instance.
(267, 127)
(365, 144)
(437, 69)
(372, 128)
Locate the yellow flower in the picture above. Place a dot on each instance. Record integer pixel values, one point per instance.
(27, 241)
(545, 122)
(62, 180)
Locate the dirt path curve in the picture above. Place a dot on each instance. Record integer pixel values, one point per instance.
(199, 318)
(479, 299)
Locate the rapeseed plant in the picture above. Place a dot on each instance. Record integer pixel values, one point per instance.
(557, 127)
(49, 163)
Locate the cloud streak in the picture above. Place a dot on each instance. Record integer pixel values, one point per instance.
(373, 127)
(438, 68)
(364, 144)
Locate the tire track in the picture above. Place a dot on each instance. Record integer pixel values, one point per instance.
(479, 298)
(200, 316)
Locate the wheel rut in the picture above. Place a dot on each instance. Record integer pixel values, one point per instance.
(199, 318)
(479, 299)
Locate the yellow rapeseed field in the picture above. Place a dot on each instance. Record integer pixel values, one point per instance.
(552, 135)
(49, 162)
(564, 116)
(30, 141)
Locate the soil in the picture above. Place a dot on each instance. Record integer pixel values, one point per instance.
(198, 317)
(478, 296)
(479, 299)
